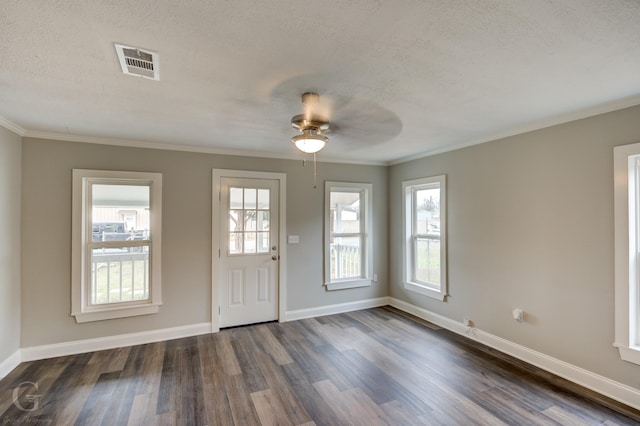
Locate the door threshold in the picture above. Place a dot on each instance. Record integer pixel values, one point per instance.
(247, 325)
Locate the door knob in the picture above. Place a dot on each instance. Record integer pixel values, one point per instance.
(274, 257)
(274, 247)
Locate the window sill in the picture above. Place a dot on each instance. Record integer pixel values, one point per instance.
(341, 285)
(629, 354)
(112, 313)
(425, 291)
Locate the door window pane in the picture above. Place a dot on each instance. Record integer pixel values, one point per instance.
(263, 199)
(263, 242)
(249, 242)
(235, 221)
(249, 218)
(263, 221)
(235, 198)
(235, 242)
(250, 201)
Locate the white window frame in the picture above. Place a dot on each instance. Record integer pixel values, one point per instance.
(627, 251)
(409, 187)
(81, 235)
(366, 226)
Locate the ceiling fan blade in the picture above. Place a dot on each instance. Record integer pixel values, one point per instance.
(354, 123)
(360, 123)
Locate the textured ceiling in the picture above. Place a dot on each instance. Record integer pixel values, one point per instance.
(398, 79)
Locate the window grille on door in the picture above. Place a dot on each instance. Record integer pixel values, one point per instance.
(249, 217)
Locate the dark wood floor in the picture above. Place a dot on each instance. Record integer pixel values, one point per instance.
(370, 367)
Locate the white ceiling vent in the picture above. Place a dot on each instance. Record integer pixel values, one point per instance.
(137, 61)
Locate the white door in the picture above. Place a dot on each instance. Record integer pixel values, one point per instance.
(249, 251)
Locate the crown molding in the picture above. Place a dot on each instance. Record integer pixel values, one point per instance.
(538, 125)
(10, 125)
(68, 137)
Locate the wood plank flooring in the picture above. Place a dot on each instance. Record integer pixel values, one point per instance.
(371, 367)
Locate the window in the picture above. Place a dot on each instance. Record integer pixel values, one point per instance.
(348, 241)
(116, 249)
(248, 220)
(627, 251)
(425, 268)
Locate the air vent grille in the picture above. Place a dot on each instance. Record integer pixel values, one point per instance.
(137, 61)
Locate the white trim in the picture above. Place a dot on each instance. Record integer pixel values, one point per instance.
(366, 230)
(68, 137)
(627, 311)
(81, 237)
(424, 290)
(342, 285)
(543, 124)
(337, 308)
(538, 125)
(9, 364)
(216, 175)
(610, 388)
(629, 353)
(120, 312)
(10, 125)
(111, 342)
(435, 291)
(603, 385)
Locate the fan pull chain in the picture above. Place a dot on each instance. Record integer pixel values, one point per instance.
(315, 169)
(315, 174)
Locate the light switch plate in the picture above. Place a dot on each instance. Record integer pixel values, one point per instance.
(293, 239)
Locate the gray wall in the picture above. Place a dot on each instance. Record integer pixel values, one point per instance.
(10, 164)
(186, 262)
(531, 226)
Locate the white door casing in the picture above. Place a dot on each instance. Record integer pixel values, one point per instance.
(249, 251)
(248, 259)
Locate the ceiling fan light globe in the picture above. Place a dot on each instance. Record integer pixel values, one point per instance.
(309, 144)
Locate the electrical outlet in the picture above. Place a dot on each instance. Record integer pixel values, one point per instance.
(375, 278)
(518, 314)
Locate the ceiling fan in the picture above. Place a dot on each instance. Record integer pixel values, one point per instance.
(311, 125)
(356, 123)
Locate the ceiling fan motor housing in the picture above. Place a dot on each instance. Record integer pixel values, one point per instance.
(309, 121)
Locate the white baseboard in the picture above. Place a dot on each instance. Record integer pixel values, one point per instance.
(112, 342)
(336, 309)
(9, 364)
(614, 390)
